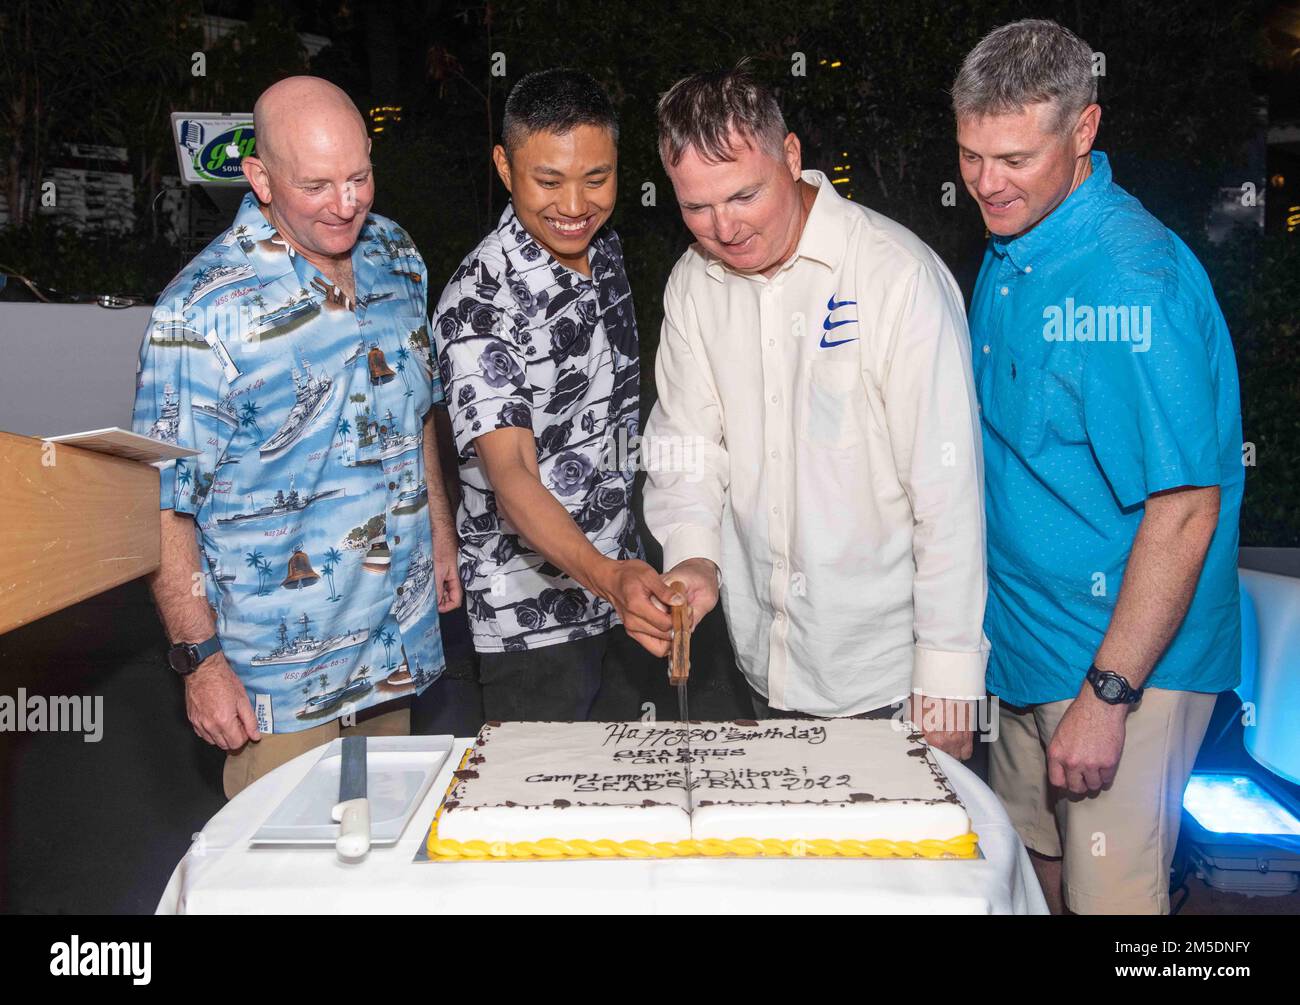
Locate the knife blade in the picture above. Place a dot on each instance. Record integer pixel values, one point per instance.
(679, 671)
(352, 812)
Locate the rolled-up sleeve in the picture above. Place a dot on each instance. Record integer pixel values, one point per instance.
(683, 449)
(933, 429)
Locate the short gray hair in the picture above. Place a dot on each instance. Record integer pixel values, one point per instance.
(701, 110)
(1024, 63)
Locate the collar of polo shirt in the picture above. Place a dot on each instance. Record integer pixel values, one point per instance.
(1052, 233)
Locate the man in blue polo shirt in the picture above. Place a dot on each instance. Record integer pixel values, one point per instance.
(1112, 448)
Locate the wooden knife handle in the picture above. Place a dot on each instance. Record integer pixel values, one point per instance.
(679, 653)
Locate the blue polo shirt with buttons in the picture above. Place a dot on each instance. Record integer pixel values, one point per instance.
(1105, 374)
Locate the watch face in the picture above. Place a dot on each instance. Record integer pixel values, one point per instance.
(179, 659)
(1112, 688)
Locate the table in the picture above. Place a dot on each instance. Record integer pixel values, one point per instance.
(222, 874)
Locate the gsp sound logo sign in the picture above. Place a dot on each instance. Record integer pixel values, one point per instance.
(220, 159)
(212, 148)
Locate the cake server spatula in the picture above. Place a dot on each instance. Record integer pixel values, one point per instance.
(352, 812)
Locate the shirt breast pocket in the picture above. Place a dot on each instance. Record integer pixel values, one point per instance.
(831, 398)
(417, 368)
(1013, 403)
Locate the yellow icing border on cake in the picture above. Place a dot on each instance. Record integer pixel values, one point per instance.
(442, 850)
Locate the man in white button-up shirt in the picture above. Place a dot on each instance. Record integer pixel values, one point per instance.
(814, 452)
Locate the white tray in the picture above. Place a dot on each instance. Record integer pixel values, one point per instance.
(399, 771)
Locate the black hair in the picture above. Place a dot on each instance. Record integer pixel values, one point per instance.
(555, 101)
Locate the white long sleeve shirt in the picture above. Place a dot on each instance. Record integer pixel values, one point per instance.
(816, 435)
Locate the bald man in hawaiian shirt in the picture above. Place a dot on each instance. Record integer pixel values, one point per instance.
(308, 547)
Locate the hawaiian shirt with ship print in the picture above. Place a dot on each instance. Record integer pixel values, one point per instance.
(308, 491)
(524, 341)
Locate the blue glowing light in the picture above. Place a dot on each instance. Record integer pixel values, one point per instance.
(1237, 804)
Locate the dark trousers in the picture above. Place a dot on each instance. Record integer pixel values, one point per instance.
(450, 705)
(607, 677)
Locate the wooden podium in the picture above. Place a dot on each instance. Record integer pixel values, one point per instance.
(73, 523)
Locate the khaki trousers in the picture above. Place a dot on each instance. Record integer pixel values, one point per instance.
(1117, 845)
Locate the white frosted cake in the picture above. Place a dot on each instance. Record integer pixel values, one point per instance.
(777, 787)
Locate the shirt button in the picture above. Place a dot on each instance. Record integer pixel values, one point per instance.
(774, 399)
(774, 455)
(780, 616)
(1029, 268)
(771, 341)
(780, 565)
(776, 509)
(1005, 291)
(987, 350)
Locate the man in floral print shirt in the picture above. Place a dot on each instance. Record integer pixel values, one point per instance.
(537, 344)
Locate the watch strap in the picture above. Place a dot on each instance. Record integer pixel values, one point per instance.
(205, 649)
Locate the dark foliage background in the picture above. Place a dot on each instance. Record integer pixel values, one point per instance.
(1179, 100)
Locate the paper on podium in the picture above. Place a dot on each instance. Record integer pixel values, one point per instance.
(124, 443)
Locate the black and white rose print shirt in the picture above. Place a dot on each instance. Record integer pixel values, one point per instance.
(524, 341)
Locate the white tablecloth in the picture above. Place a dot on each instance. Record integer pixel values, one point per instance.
(221, 874)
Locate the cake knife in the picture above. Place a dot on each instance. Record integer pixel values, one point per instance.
(679, 670)
(352, 812)
(679, 655)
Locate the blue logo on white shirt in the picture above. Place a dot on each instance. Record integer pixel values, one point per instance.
(832, 305)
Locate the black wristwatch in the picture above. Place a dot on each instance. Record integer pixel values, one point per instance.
(1112, 688)
(185, 657)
